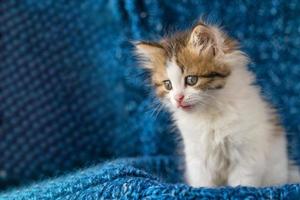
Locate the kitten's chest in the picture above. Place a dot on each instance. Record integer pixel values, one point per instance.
(205, 131)
(206, 139)
(208, 142)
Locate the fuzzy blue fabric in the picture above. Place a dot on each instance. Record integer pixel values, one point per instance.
(72, 96)
(140, 178)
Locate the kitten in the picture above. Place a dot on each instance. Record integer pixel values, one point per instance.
(231, 136)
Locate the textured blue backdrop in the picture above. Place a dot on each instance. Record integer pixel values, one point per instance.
(71, 94)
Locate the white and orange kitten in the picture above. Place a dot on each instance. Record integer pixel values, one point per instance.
(231, 136)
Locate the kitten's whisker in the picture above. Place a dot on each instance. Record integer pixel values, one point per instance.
(160, 108)
(157, 107)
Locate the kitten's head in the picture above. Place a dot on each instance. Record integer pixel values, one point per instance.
(189, 67)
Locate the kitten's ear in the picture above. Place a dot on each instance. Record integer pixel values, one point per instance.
(149, 53)
(203, 40)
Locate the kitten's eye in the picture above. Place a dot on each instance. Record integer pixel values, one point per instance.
(168, 84)
(191, 80)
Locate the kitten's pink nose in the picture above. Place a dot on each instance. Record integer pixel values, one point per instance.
(179, 97)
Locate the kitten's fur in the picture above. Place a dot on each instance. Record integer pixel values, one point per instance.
(231, 136)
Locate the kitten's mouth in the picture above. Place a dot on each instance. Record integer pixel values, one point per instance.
(184, 107)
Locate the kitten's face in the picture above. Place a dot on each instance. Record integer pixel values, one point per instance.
(187, 69)
(186, 81)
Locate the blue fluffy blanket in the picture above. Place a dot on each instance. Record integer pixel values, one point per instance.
(76, 117)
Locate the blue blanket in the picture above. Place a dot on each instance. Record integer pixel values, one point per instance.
(77, 120)
(141, 178)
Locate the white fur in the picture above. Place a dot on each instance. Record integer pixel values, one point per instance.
(228, 136)
(175, 76)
